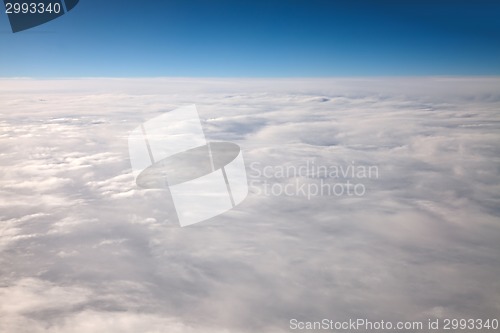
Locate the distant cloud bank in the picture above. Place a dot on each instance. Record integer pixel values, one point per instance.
(83, 249)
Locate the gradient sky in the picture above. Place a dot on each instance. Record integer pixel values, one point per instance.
(268, 38)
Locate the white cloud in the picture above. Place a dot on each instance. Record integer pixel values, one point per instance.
(84, 250)
(34, 299)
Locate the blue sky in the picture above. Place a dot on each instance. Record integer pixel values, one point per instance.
(270, 38)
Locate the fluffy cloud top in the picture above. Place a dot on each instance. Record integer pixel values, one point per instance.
(84, 250)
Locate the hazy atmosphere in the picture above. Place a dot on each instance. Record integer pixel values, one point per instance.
(250, 166)
(83, 249)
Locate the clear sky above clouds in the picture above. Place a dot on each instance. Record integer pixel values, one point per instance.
(259, 38)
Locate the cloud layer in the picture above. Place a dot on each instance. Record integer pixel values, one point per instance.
(84, 250)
